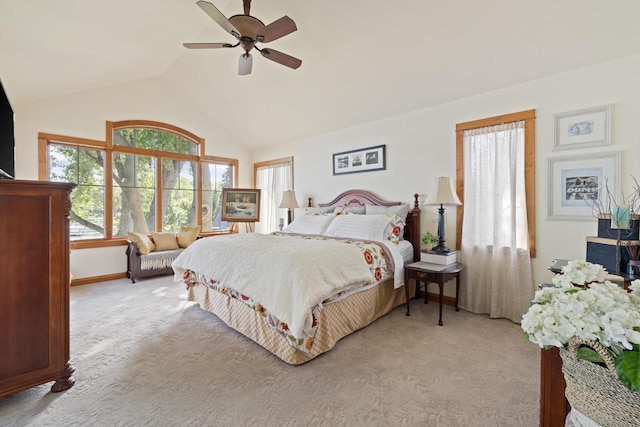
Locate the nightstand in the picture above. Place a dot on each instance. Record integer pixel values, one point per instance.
(432, 273)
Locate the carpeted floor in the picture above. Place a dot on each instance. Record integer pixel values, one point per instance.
(145, 356)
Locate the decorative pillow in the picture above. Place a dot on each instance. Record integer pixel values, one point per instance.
(401, 210)
(313, 211)
(187, 235)
(165, 241)
(394, 230)
(144, 243)
(309, 224)
(359, 210)
(366, 227)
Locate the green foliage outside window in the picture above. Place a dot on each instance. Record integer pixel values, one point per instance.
(154, 139)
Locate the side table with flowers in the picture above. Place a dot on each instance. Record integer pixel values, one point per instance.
(596, 324)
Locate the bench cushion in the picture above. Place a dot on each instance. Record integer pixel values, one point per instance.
(143, 242)
(165, 241)
(187, 235)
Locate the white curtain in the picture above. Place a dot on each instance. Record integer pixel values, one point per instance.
(497, 279)
(272, 180)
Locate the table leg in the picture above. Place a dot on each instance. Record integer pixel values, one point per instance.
(441, 284)
(457, 290)
(426, 288)
(406, 290)
(426, 294)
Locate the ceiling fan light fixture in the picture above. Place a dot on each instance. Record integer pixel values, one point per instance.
(245, 64)
(248, 31)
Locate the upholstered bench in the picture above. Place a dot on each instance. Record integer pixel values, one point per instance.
(151, 264)
(152, 256)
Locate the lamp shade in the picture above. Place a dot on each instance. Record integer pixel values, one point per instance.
(442, 192)
(289, 200)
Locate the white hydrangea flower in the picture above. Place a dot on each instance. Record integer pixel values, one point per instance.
(603, 312)
(546, 295)
(579, 272)
(564, 281)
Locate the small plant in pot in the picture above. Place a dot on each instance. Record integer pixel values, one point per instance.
(429, 240)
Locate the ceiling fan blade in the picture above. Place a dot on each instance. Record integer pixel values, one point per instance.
(206, 45)
(277, 29)
(217, 16)
(281, 58)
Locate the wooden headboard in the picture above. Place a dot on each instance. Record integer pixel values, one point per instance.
(363, 197)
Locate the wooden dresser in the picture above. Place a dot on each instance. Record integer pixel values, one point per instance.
(34, 285)
(554, 407)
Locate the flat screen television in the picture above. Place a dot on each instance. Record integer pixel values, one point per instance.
(7, 138)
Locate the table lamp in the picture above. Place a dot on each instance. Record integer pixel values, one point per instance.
(442, 193)
(288, 202)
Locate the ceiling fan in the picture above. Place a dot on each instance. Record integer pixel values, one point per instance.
(249, 31)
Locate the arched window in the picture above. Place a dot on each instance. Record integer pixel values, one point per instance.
(147, 177)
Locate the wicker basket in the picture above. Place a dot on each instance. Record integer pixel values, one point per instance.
(596, 391)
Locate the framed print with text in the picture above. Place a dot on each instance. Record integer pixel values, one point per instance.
(574, 182)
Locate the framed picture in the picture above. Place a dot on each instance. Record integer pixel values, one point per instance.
(240, 205)
(574, 183)
(363, 160)
(590, 127)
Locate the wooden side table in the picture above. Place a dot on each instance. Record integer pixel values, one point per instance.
(432, 273)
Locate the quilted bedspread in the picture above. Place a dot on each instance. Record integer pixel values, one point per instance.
(290, 275)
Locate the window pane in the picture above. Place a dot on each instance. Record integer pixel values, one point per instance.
(154, 139)
(84, 167)
(63, 163)
(87, 213)
(91, 170)
(215, 177)
(178, 194)
(134, 194)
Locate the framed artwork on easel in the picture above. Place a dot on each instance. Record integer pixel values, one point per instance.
(240, 205)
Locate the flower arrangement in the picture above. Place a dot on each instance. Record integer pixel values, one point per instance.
(600, 311)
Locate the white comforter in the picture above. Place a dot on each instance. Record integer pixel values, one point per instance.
(287, 275)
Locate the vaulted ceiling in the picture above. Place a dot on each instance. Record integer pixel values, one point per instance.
(362, 59)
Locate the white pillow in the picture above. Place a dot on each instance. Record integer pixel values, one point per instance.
(401, 210)
(313, 211)
(366, 227)
(309, 224)
(349, 210)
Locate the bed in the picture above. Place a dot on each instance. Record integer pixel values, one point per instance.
(257, 302)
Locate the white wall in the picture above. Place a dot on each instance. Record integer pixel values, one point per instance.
(421, 145)
(84, 115)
